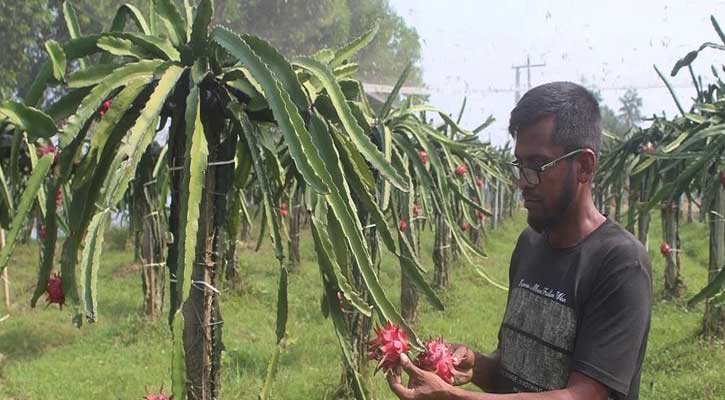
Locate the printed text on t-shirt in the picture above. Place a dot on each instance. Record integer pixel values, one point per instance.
(544, 291)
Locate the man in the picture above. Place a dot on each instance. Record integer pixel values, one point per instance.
(578, 310)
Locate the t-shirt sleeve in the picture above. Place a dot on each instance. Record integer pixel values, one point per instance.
(615, 322)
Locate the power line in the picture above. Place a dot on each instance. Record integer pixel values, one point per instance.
(440, 89)
(528, 67)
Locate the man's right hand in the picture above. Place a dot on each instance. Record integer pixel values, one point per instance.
(464, 360)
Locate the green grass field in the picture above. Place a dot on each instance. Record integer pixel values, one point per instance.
(44, 357)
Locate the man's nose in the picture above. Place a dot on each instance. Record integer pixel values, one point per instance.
(523, 183)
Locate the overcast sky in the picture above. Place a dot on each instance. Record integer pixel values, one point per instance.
(469, 47)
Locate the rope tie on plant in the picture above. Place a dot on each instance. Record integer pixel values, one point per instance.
(153, 265)
(211, 164)
(101, 208)
(201, 285)
(151, 214)
(225, 162)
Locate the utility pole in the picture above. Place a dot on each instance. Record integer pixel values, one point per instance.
(518, 69)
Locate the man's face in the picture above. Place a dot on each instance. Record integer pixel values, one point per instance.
(546, 202)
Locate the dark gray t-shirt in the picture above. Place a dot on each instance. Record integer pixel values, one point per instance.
(585, 308)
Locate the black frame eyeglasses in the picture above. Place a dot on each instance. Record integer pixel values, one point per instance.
(533, 175)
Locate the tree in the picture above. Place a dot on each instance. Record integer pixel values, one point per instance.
(297, 27)
(24, 27)
(396, 45)
(303, 27)
(630, 111)
(293, 26)
(610, 121)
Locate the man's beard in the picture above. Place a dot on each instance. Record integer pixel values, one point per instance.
(550, 219)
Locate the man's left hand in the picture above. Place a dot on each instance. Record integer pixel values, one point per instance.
(422, 385)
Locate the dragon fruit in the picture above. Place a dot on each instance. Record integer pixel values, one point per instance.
(479, 183)
(48, 149)
(283, 210)
(423, 156)
(464, 226)
(416, 209)
(648, 148)
(461, 170)
(160, 396)
(390, 342)
(403, 225)
(665, 249)
(437, 358)
(104, 108)
(55, 290)
(341, 300)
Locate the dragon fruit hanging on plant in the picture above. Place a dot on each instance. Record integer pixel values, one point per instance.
(665, 249)
(423, 156)
(416, 210)
(54, 290)
(461, 170)
(283, 210)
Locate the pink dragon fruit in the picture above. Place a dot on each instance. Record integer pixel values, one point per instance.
(437, 358)
(390, 342)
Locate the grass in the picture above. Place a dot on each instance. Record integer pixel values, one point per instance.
(45, 357)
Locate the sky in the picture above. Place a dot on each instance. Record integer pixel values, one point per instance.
(468, 48)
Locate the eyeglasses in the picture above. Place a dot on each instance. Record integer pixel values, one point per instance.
(533, 175)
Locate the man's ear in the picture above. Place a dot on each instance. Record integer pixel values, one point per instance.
(587, 161)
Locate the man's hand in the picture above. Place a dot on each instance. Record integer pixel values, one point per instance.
(464, 360)
(422, 385)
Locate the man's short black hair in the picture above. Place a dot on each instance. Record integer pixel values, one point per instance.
(577, 121)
